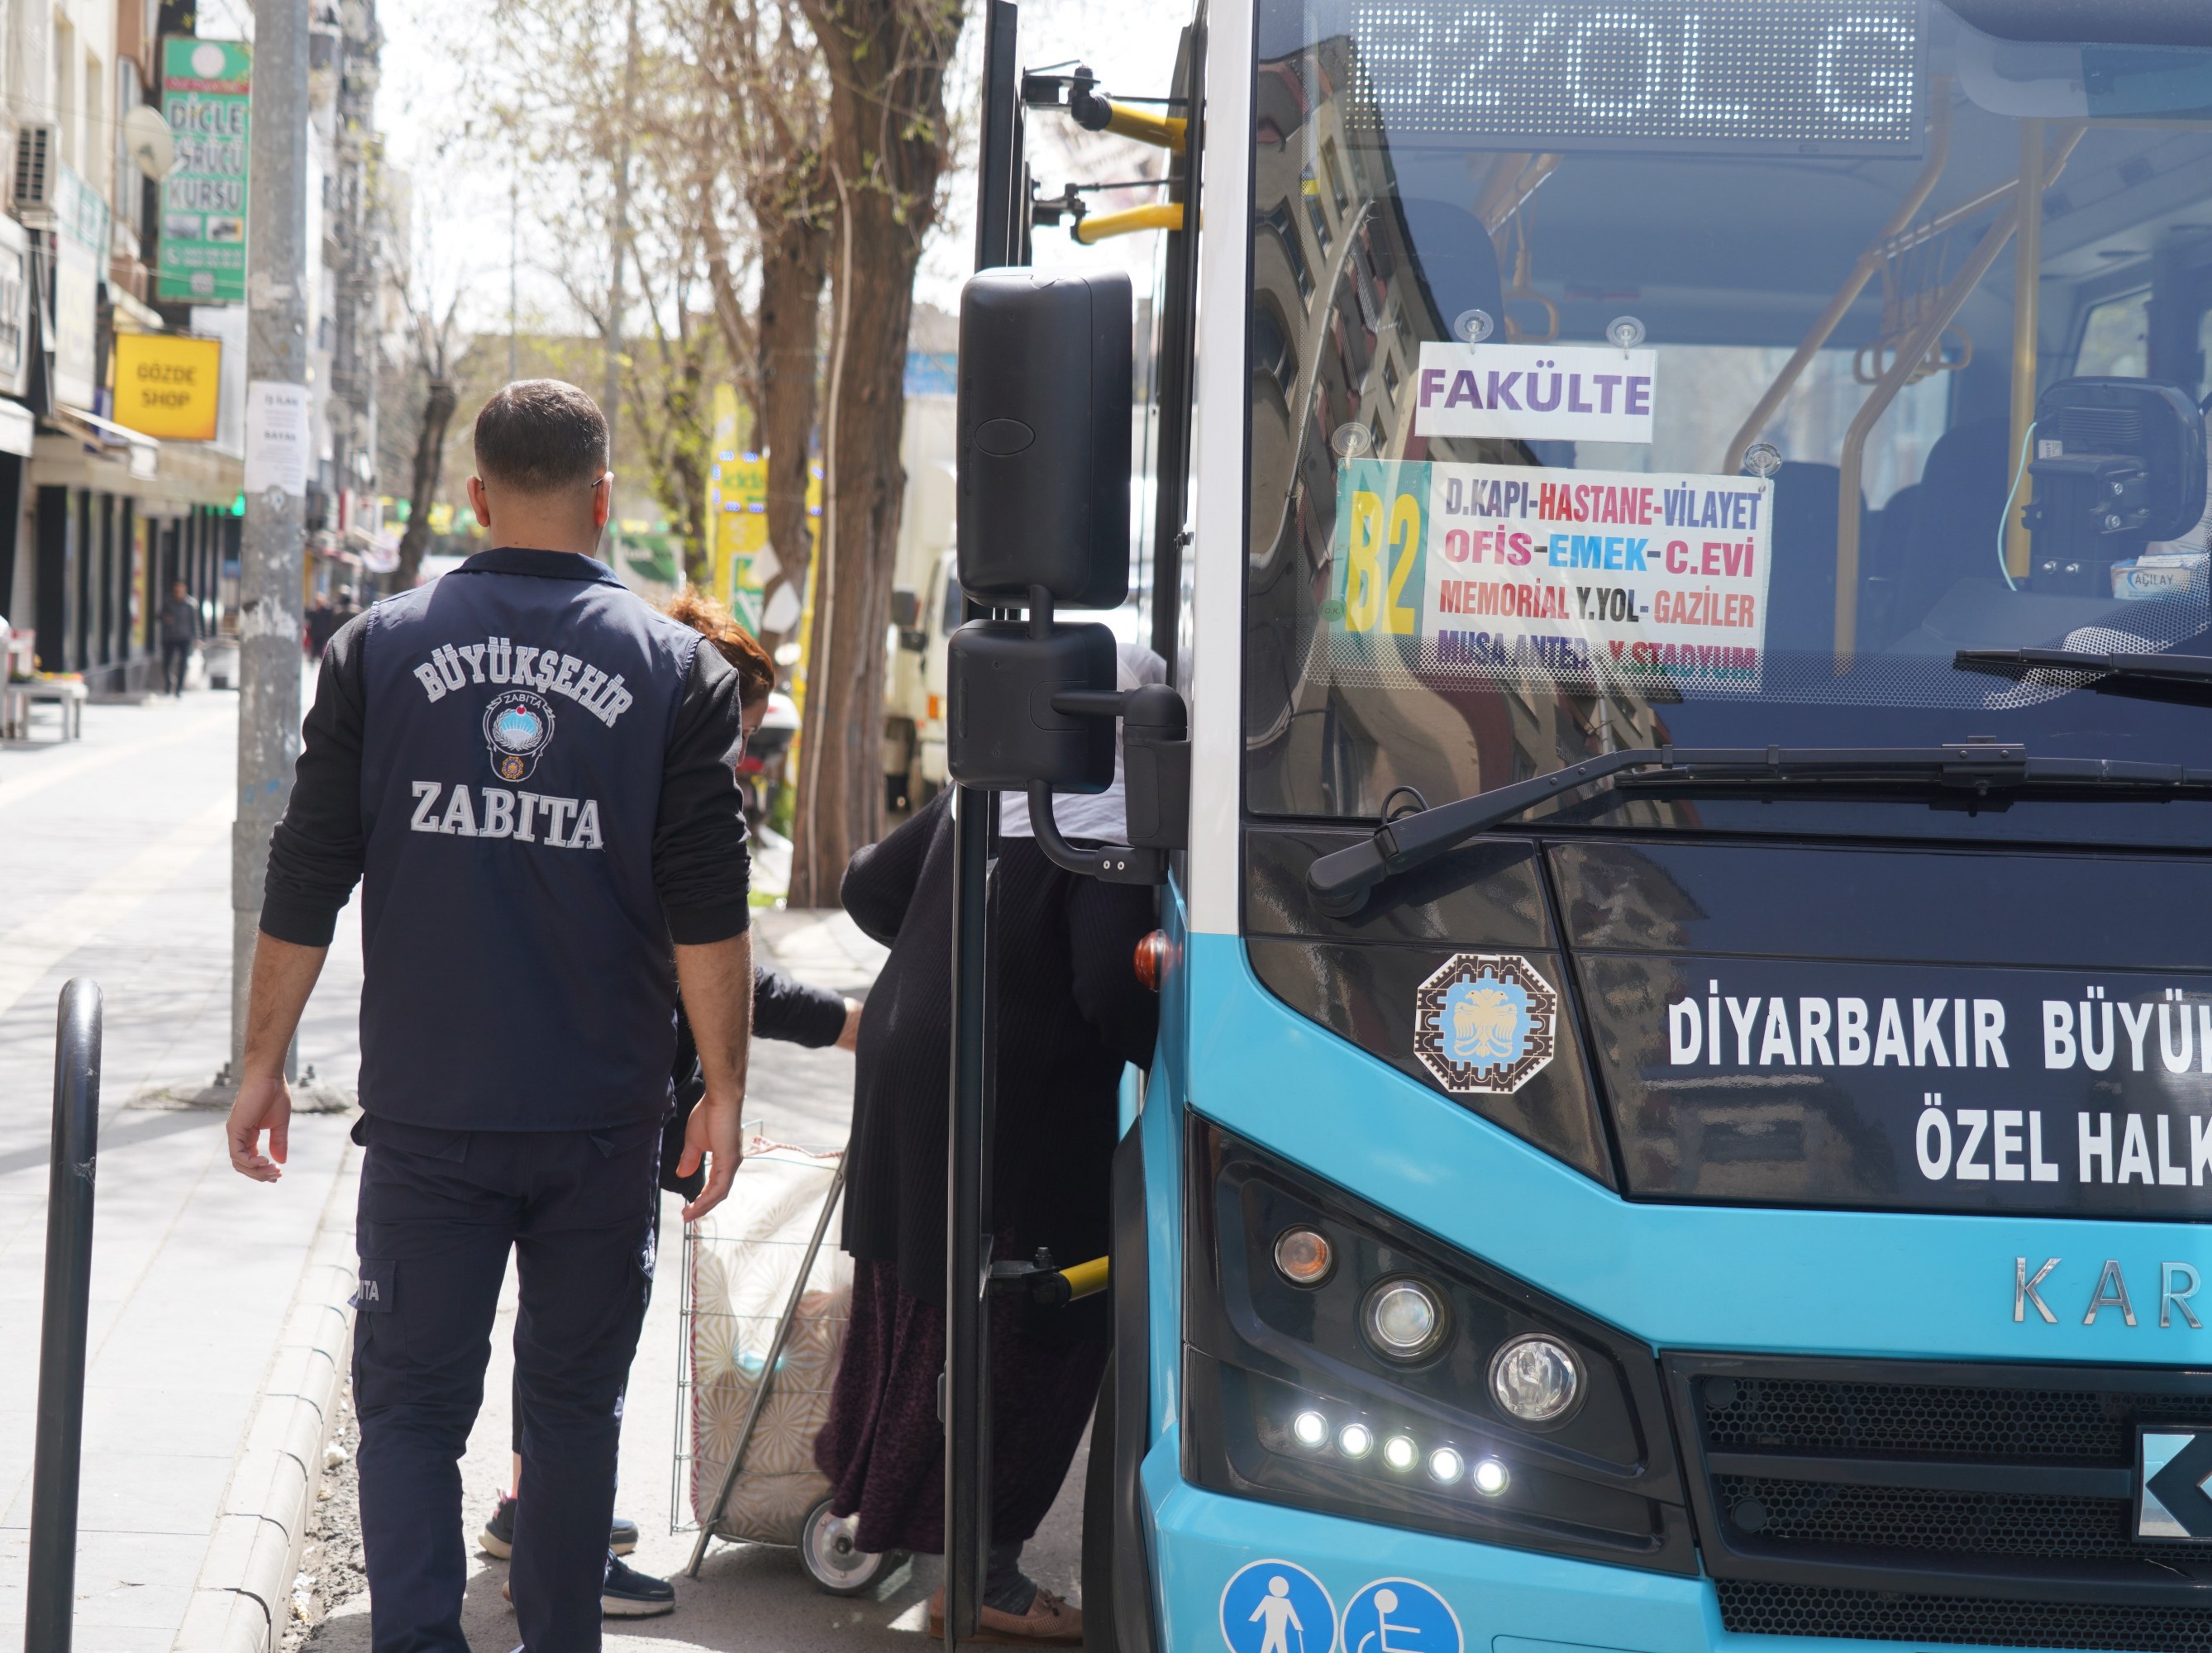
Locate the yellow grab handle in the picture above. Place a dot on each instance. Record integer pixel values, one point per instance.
(1165, 131)
(1086, 1280)
(1164, 214)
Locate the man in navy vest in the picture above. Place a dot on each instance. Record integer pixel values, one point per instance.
(529, 771)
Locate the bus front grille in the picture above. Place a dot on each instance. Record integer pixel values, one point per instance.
(1816, 1512)
(2011, 1423)
(1938, 1502)
(1756, 1609)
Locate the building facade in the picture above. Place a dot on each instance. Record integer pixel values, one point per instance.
(98, 517)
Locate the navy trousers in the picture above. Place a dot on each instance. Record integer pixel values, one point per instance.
(439, 1211)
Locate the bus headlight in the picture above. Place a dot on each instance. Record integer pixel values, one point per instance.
(1535, 1379)
(1404, 1318)
(1405, 1381)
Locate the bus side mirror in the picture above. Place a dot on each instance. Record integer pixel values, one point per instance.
(1003, 730)
(1033, 707)
(1044, 410)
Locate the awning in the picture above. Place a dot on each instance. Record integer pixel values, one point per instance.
(145, 451)
(19, 431)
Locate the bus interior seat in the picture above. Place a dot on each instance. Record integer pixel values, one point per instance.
(1801, 591)
(1882, 553)
(1457, 261)
(1951, 533)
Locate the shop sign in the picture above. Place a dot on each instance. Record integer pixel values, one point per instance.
(15, 308)
(205, 92)
(80, 256)
(167, 385)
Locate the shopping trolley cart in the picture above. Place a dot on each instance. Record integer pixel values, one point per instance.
(766, 1305)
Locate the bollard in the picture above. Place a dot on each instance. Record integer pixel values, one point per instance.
(51, 1593)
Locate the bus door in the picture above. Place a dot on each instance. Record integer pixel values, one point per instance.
(1033, 706)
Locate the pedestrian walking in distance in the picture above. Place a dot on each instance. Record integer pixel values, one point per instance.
(180, 629)
(529, 771)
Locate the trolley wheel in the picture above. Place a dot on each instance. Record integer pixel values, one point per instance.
(826, 1550)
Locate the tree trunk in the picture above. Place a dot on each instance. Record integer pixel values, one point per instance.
(793, 266)
(886, 128)
(429, 458)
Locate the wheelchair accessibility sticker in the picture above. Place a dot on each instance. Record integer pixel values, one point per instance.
(1396, 1615)
(1277, 1606)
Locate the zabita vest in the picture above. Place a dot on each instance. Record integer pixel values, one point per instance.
(518, 970)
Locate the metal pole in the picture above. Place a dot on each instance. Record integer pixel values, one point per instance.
(618, 236)
(50, 1589)
(966, 1396)
(513, 216)
(273, 547)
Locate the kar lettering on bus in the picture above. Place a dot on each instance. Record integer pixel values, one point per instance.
(2177, 1282)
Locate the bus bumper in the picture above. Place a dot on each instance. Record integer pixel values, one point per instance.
(1505, 1601)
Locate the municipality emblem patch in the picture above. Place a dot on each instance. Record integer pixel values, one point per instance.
(1485, 1024)
(518, 727)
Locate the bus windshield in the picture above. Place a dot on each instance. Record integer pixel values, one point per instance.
(1714, 373)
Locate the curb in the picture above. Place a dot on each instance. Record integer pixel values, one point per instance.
(243, 1598)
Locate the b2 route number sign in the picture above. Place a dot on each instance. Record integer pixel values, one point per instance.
(1520, 572)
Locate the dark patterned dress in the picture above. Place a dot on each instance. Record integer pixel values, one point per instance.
(1070, 1014)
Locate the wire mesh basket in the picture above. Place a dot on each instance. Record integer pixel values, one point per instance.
(764, 1296)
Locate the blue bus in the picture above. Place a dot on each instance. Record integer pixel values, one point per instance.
(1683, 1105)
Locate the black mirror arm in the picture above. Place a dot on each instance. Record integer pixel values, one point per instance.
(1090, 702)
(1340, 881)
(1111, 863)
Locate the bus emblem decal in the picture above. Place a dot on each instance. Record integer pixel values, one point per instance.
(1486, 1023)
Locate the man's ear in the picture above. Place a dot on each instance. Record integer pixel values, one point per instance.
(480, 502)
(603, 500)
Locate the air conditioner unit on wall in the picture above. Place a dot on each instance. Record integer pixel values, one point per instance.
(33, 191)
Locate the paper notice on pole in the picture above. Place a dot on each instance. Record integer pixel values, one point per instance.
(277, 435)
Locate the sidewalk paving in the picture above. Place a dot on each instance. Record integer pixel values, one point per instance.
(116, 852)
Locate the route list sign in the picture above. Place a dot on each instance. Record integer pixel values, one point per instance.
(1517, 571)
(206, 86)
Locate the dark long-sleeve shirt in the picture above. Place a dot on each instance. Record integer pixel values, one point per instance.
(180, 620)
(1070, 1014)
(783, 1008)
(700, 866)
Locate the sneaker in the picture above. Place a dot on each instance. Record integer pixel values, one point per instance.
(498, 1538)
(628, 1593)
(1050, 1622)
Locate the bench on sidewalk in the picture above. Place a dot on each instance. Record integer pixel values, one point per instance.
(16, 700)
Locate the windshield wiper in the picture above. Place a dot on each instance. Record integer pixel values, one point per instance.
(1340, 882)
(2115, 670)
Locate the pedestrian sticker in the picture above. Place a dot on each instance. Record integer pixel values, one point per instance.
(1277, 1606)
(1396, 1615)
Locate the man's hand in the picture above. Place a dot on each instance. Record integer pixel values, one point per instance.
(713, 1132)
(716, 979)
(262, 1104)
(284, 976)
(849, 1038)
